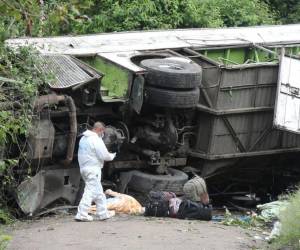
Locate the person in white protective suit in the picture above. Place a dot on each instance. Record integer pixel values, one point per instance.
(92, 153)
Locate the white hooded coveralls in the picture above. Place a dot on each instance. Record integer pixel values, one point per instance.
(92, 153)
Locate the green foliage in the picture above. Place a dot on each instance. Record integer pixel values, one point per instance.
(39, 18)
(5, 217)
(287, 11)
(20, 83)
(141, 14)
(4, 239)
(244, 13)
(248, 221)
(20, 67)
(54, 17)
(290, 227)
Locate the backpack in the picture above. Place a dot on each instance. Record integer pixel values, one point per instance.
(158, 203)
(193, 210)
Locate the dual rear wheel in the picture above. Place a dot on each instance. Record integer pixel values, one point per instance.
(172, 82)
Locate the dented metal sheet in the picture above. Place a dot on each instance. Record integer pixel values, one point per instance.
(119, 47)
(47, 187)
(287, 108)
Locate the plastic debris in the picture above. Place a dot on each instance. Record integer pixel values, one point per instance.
(275, 231)
(270, 211)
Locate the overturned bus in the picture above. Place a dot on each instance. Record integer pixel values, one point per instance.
(173, 101)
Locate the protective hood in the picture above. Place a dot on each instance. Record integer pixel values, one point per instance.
(88, 133)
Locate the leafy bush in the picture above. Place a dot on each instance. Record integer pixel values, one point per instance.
(290, 226)
(244, 13)
(159, 14)
(54, 17)
(5, 217)
(20, 83)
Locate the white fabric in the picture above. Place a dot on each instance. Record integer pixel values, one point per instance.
(91, 156)
(92, 151)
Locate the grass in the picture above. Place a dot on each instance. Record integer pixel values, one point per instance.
(4, 239)
(290, 224)
(5, 219)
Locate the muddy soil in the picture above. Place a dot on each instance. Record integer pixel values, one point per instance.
(129, 232)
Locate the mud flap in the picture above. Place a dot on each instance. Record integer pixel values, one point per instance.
(137, 94)
(46, 187)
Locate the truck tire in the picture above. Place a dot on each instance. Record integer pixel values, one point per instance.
(172, 98)
(145, 182)
(172, 73)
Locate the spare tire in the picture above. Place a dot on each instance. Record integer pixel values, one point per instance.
(172, 73)
(145, 182)
(172, 98)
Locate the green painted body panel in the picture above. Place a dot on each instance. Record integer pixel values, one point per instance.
(115, 79)
(237, 55)
(245, 55)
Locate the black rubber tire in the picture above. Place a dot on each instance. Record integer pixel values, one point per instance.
(171, 73)
(145, 182)
(172, 98)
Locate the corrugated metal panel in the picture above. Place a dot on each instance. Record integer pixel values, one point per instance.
(239, 77)
(262, 96)
(290, 140)
(244, 123)
(239, 87)
(268, 75)
(236, 98)
(65, 71)
(218, 145)
(249, 127)
(265, 96)
(272, 141)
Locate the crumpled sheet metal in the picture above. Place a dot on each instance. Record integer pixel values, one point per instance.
(38, 192)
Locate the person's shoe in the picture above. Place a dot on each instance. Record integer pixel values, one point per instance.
(110, 213)
(87, 218)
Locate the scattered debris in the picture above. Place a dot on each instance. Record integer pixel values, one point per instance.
(270, 211)
(60, 209)
(245, 221)
(275, 231)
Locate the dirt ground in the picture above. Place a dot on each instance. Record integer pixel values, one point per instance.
(129, 232)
